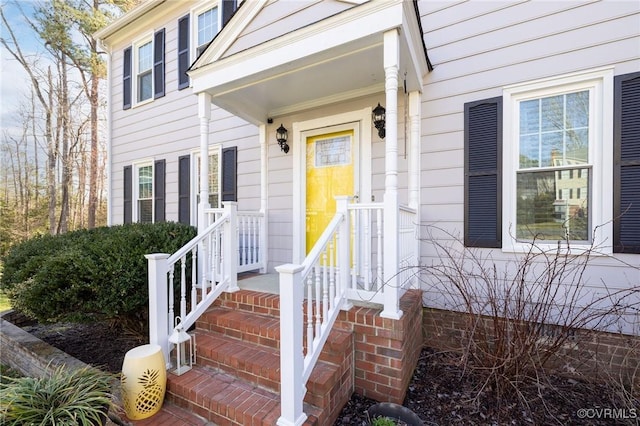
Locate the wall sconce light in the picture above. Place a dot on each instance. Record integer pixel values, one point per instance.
(281, 137)
(379, 117)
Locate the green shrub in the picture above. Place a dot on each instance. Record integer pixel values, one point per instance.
(89, 274)
(80, 397)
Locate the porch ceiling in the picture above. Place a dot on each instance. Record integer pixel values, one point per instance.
(308, 68)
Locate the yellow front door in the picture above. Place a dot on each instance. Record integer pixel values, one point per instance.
(330, 172)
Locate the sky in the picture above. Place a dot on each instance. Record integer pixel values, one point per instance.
(14, 83)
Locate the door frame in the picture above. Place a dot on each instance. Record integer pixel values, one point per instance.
(360, 122)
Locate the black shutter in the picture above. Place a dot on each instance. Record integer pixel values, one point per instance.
(228, 8)
(126, 79)
(127, 195)
(159, 191)
(483, 173)
(184, 189)
(183, 52)
(158, 64)
(229, 174)
(626, 145)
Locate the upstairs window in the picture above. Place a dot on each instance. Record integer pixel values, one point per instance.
(144, 71)
(206, 28)
(196, 30)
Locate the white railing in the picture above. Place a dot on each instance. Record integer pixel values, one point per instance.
(345, 265)
(251, 238)
(323, 276)
(367, 272)
(192, 278)
(408, 242)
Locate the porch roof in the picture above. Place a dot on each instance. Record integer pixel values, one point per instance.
(336, 58)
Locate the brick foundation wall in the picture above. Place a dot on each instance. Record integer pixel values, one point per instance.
(598, 355)
(386, 350)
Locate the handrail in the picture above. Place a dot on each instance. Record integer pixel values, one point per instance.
(407, 209)
(355, 257)
(197, 240)
(323, 240)
(200, 270)
(332, 303)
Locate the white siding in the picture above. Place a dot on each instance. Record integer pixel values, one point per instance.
(477, 48)
(280, 17)
(169, 127)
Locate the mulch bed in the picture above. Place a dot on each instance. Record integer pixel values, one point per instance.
(441, 393)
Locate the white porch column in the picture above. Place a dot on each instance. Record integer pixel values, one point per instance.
(391, 220)
(204, 113)
(415, 108)
(414, 146)
(264, 151)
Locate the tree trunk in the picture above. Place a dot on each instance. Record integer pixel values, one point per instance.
(66, 156)
(93, 159)
(52, 159)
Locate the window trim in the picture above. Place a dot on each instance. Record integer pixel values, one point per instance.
(147, 38)
(195, 180)
(600, 83)
(136, 189)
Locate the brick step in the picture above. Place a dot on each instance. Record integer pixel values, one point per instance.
(260, 365)
(170, 415)
(238, 341)
(226, 400)
(260, 329)
(251, 301)
(263, 330)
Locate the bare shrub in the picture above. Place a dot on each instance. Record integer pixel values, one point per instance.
(525, 315)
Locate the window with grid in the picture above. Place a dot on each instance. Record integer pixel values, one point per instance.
(144, 71)
(554, 167)
(144, 193)
(207, 28)
(214, 178)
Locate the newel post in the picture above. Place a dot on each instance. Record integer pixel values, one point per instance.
(344, 249)
(292, 390)
(159, 302)
(231, 245)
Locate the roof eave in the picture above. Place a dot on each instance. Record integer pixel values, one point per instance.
(126, 19)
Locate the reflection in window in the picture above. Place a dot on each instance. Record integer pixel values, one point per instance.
(552, 209)
(145, 194)
(214, 179)
(553, 185)
(554, 131)
(207, 28)
(145, 75)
